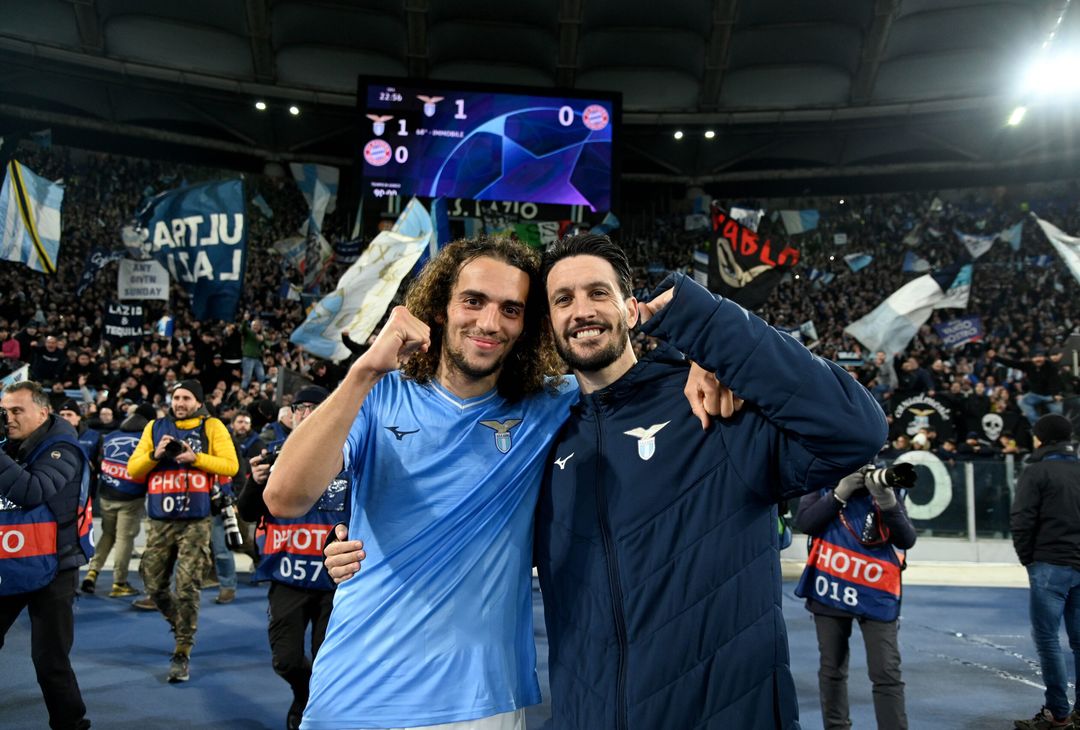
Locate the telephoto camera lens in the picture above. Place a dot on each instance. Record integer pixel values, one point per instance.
(233, 538)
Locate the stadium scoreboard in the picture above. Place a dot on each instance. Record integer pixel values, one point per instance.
(488, 143)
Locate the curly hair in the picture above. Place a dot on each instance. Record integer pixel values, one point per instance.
(533, 358)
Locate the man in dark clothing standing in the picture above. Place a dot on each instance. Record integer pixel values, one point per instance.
(1045, 526)
(44, 482)
(49, 363)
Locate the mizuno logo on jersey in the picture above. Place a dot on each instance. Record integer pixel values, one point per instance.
(503, 440)
(561, 463)
(646, 445)
(400, 434)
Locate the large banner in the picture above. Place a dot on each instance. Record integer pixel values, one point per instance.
(744, 266)
(123, 323)
(200, 234)
(142, 280)
(960, 331)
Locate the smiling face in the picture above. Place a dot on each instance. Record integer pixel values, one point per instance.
(484, 318)
(24, 415)
(184, 403)
(590, 319)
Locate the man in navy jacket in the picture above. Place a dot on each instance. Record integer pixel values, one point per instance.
(43, 479)
(656, 540)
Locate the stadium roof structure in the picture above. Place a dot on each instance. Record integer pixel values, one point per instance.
(801, 91)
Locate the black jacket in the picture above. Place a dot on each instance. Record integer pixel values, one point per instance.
(54, 478)
(1043, 379)
(1045, 518)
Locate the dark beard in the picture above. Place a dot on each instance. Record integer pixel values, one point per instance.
(597, 360)
(458, 360)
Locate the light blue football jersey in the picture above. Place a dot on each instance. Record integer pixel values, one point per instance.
(437, 626)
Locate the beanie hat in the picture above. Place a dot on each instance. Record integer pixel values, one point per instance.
(70, 405)
(1052, 429)
(146, 410)
(193, 386)
(311, 394)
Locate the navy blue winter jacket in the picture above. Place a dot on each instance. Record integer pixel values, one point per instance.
(52, 480)
(656, 541)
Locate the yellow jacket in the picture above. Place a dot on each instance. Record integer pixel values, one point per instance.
(220, 458)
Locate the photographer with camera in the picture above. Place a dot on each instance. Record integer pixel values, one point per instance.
(301, 592)
(45, 522)
(182, 455)
(859, 532)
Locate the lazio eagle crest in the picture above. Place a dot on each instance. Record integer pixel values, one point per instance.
(503, 440)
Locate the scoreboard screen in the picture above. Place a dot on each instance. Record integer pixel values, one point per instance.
(458, 140)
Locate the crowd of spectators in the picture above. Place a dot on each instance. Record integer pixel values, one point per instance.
(1025, 302)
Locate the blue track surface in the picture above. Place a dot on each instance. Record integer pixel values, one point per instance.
(968, 663)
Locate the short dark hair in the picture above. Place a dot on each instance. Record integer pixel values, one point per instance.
(589, 244)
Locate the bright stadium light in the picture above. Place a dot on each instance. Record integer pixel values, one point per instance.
(1017, 116)
(709, 134)
(260, 105)
(678, 134)
(294, 110)
(1057, 74)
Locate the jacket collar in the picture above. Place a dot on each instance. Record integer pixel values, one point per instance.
(650, 368)
(52, 424)
(1064, 449)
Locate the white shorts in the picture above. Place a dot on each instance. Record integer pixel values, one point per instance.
(513, 720)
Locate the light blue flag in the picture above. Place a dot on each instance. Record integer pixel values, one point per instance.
(1012, 235)
(166, 326)
(610, 223)
(15, 376)
(799, 221)
(858, 261)
(913, 263)
(260, 202)
(30, 219)
(975, 244)
(1067, 247)
(315, 181)
(366, 289)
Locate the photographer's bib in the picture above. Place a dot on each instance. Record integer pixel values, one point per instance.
(28, 537)
(843, 573)
(291, 549)
(177, 491)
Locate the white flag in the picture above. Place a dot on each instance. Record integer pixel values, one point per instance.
(1068, 247)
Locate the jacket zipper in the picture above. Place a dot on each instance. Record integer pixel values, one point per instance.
(614, 582)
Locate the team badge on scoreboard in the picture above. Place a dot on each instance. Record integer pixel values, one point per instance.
(429, 103)
(378, 123)
(377, 152)
(595, 117)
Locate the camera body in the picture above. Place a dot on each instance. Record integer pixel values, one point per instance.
(173, 449)
(3, 424)
(270, 458)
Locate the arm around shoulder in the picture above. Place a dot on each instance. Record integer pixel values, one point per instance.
(812, 399)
